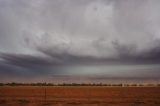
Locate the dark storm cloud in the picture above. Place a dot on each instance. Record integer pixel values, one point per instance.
(86, 28)
(27, 62)
(25, 66)
(41, 35)
(127, 53)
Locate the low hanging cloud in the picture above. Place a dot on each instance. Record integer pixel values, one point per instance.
(87, 28)
(41, 35)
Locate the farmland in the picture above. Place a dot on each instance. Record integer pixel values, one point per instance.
(79, 96)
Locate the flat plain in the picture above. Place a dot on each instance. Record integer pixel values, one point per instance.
(79, 96)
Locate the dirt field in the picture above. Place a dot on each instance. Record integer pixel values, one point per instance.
(79, 96)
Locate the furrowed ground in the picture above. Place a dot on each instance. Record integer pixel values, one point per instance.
(79, 96)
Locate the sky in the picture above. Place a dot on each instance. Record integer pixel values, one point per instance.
(41, 39)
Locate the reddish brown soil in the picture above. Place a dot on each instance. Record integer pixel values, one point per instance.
(79, 96)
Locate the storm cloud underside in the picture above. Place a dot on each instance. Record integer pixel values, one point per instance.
(42, 38)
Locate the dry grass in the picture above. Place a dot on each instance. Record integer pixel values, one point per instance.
(79, 96)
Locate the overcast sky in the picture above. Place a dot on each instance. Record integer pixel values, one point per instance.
(39, 38)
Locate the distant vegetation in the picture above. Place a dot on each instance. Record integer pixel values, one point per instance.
(79, 84)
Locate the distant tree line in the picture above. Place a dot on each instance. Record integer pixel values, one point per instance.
(26, 84)
(77, 84)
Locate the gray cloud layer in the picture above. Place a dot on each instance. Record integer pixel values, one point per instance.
(41, 35)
